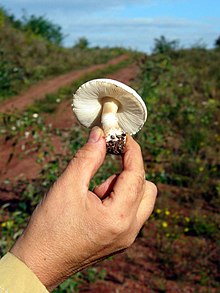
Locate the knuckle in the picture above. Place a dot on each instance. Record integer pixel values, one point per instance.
(152, 188)
(83, 153)
(81, 160)
(139, 183)
(129, 241)
(87, 155)
(140, 178)
(136, 145)
(122, 230)
(120, 225)
(116, 230)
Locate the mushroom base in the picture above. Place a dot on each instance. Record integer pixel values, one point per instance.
(115, 141)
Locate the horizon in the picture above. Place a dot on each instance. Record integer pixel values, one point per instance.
(129, 24)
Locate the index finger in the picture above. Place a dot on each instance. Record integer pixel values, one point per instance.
(128, 190)
(132, 158)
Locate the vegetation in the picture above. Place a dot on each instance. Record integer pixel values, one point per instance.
(30, 51)
(40, 26)
(36, 25)
(182, 121)
(82, 43)
(180, 145)
(162, 45)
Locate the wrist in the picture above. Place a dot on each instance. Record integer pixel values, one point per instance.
(37, 263)
(45, 265)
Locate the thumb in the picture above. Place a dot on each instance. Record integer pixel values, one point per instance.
(88, 159)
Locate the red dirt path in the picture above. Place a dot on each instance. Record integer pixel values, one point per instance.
(38, 91)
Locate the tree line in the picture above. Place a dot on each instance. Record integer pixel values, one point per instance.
(38, 25)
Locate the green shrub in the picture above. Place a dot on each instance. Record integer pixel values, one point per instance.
(163, 46)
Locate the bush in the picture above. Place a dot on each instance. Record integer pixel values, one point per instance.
(82, 43)
(162, 45)
(9, 72)
(40, 26)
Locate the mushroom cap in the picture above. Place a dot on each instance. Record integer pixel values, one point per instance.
(87, 104)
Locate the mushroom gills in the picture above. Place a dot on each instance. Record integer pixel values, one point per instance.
(115, 136)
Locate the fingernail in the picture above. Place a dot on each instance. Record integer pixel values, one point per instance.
(95, 134)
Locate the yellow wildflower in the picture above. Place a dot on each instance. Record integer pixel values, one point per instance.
(167, 212)
(7, 224)
(158, 211)
(217, 137)
(164, 225)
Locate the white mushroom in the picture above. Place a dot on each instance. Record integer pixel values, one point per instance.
(112, 105)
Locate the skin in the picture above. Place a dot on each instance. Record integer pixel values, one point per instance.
(73, 227)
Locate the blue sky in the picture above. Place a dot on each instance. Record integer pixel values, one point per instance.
(129, 23)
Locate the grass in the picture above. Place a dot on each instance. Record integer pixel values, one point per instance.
(183, 125)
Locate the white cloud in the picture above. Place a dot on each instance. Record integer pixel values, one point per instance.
(138, 33)
(137, 22)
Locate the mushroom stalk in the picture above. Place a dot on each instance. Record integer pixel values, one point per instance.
(114, 135)
(109, 110)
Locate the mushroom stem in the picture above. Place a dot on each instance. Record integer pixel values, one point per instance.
(114, 135)
(109, 110)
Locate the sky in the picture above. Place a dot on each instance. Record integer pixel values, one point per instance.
(132, 24)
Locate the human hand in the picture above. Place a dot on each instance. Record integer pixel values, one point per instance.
(73, 227)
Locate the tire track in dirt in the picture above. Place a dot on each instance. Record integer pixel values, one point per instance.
(38, 91)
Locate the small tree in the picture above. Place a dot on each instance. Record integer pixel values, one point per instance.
(162, 45)
(82, 43)
(41, 26)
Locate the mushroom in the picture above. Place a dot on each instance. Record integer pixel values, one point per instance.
(113, 106)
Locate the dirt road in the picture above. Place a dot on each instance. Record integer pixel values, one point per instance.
(38, 91)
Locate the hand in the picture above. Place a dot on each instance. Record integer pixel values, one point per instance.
(73, 227)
